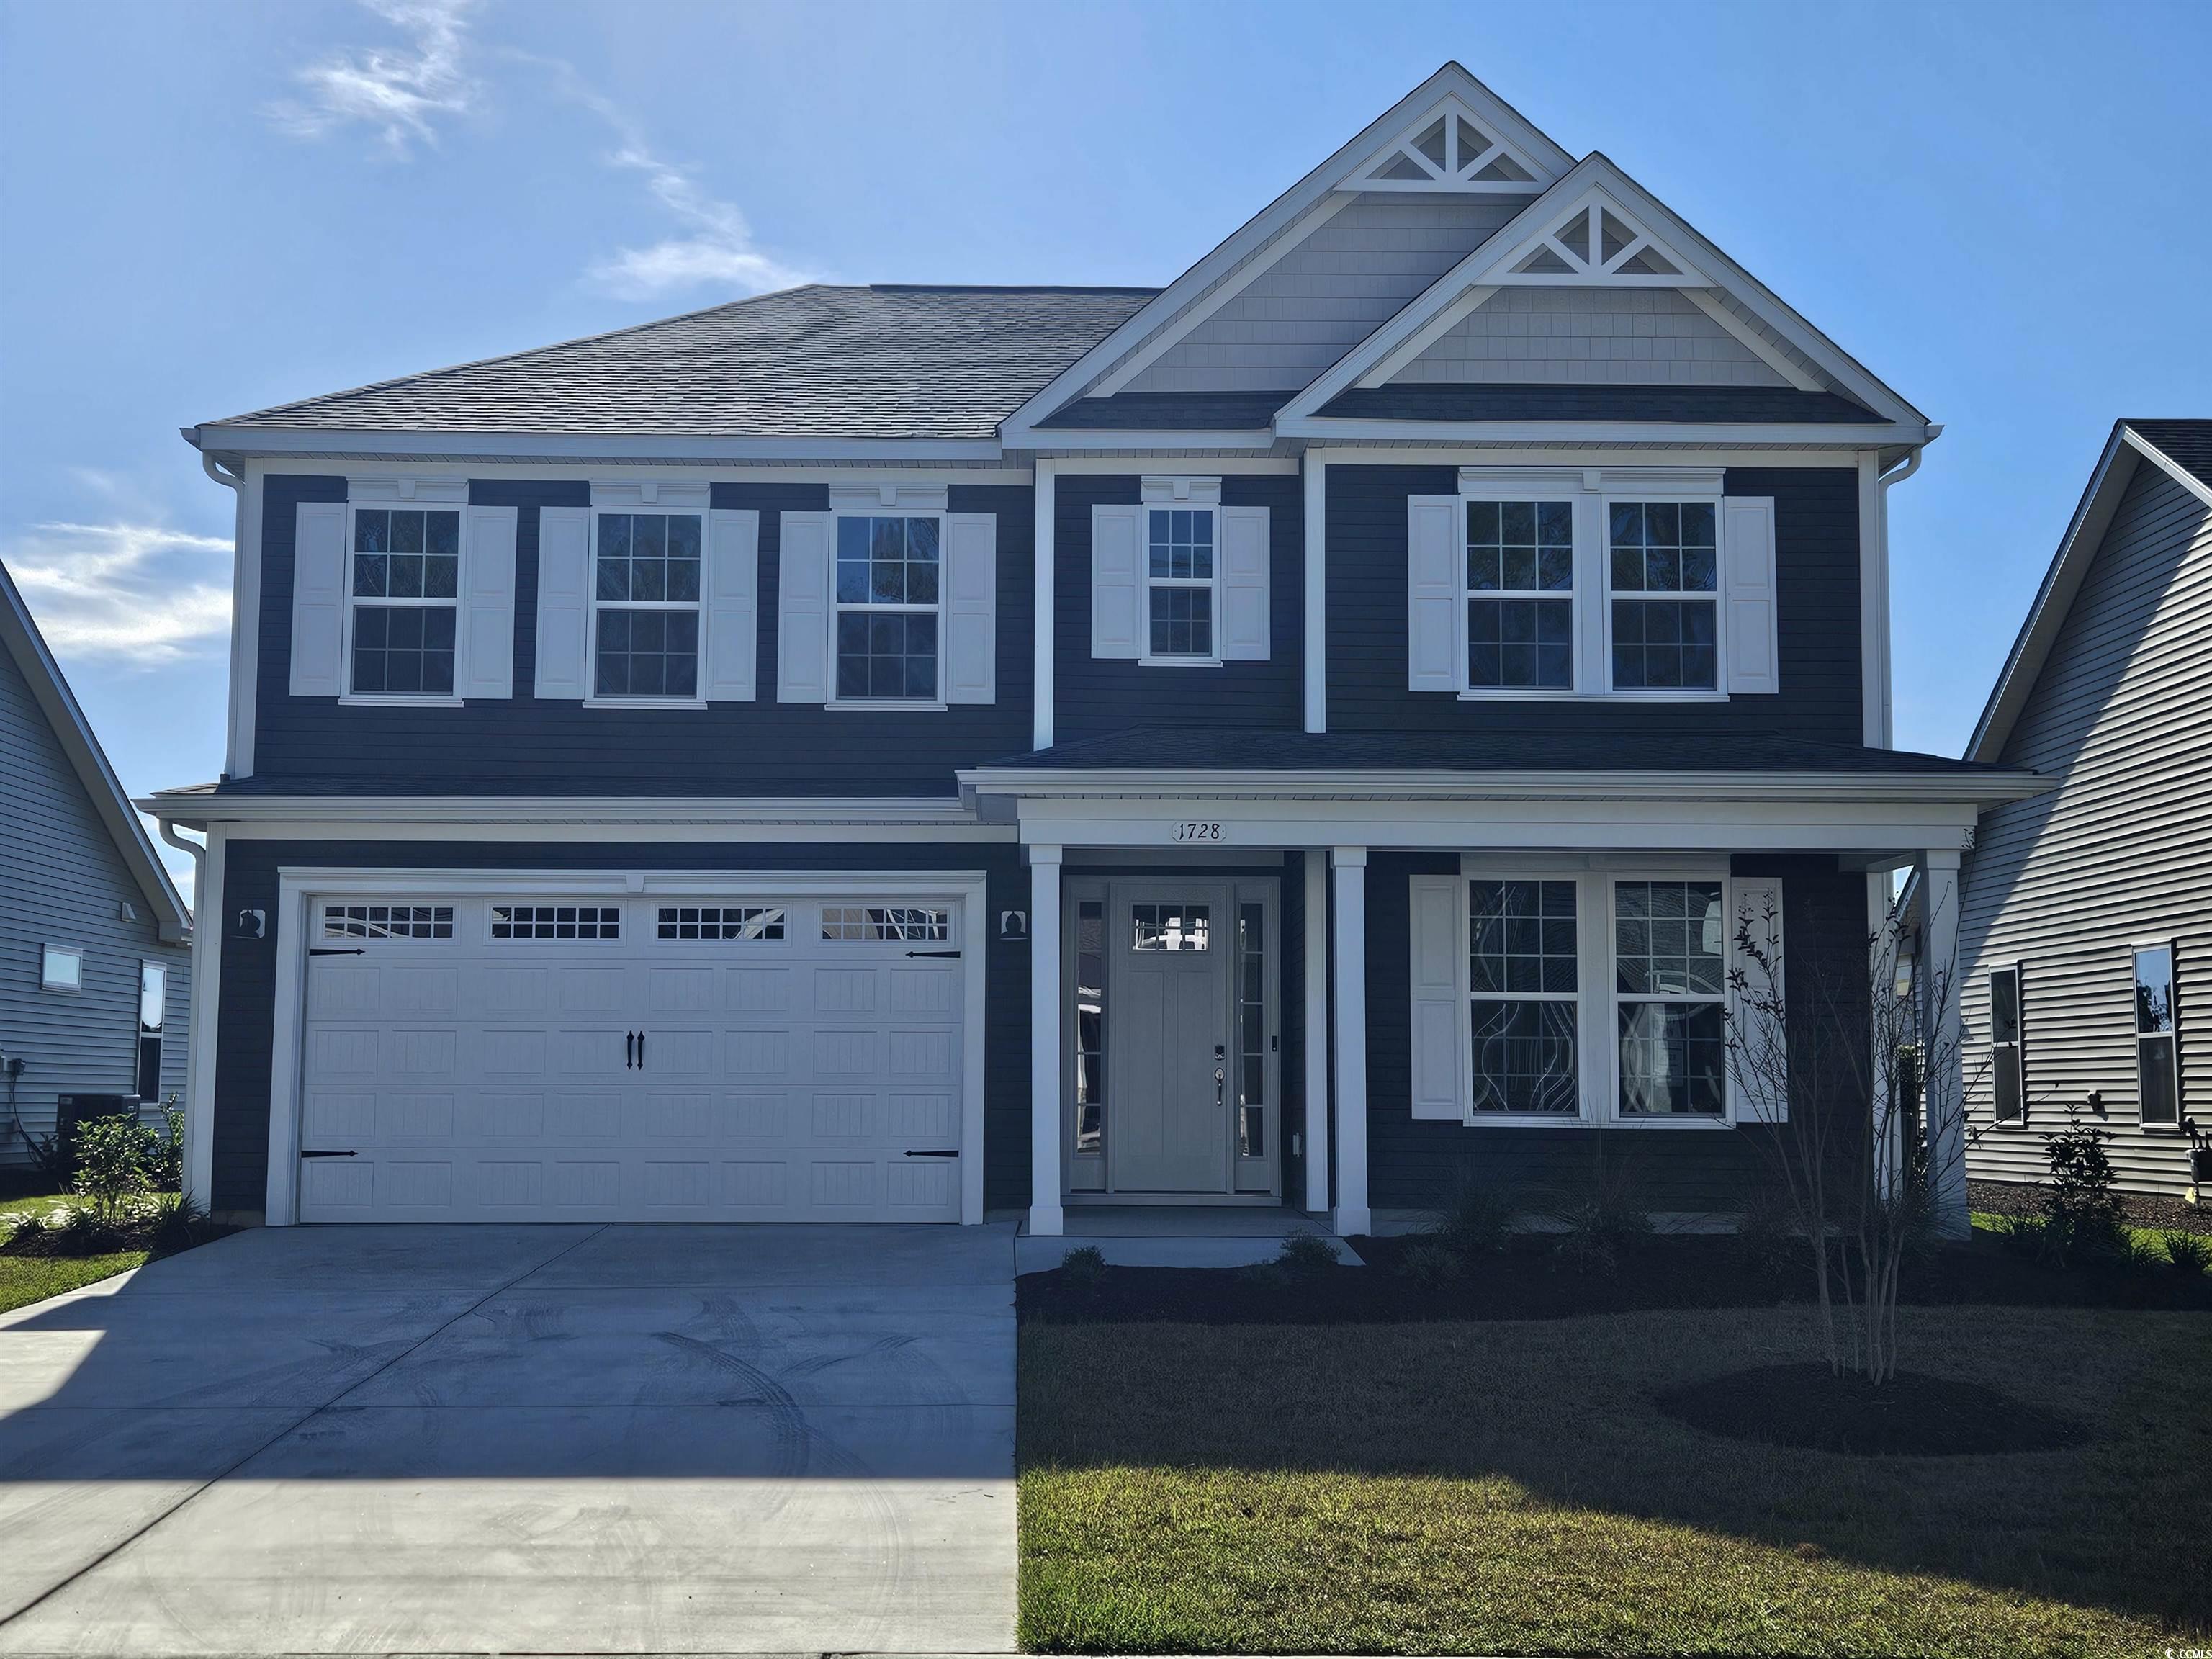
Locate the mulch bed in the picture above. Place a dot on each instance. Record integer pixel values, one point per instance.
(2141, 1209)
(1530, 1281)
(1911, 1415)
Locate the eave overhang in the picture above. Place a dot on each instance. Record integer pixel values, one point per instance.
(231, 443)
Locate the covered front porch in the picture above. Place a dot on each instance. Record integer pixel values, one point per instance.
(1248, 961)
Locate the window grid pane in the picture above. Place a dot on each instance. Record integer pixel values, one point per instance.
(877, 923)
(1252, 1029)
(2158, 1098)
(560, 921)
(1664, 548)
(401, 553)
(387, 921)
(1674, 1058)
(1171, 927)
(1183, 622)
(889, 582)
(1180, 544)
(402, 650)
(647, 653)
(719, 921)
(1670, 968)
(886, 653)
(1090, 1027)
(1520, 579)
(1523, 943)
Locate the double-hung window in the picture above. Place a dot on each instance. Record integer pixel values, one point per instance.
(890, 594)
(1520, 595)
(1670, 954)
(1663, 558)
(1524, 940)
(153, 1015)
(1180, 581)
(405, 586)
(2008, 1077)
(2158, 1068)
(645, 605)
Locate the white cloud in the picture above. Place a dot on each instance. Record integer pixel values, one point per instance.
(142, 593)
(400, 93)
(721, 252)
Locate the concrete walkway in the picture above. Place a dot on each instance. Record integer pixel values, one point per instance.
(552, 1439)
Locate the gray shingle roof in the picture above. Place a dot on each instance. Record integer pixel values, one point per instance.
(888, 361)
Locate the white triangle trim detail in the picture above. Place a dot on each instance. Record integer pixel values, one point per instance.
(1594, 242)
(1450, 147)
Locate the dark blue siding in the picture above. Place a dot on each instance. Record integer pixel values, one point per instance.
(1817, 570)
(743, 748)
(248, 993)
(1093, 697)
(1413, 1164)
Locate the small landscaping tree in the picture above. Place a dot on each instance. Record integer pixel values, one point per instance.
(2081, 1219)
(112, 1159)
(1852, 1092)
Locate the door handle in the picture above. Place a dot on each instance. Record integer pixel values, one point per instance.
(640, 1051)
(629, 1050)
(327, 1154)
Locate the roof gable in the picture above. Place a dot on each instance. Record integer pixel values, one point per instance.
(1451, 95)
(1598, 228)
(20, 636)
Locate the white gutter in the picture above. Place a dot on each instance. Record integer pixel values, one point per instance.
(206, 1016)
(234, 743)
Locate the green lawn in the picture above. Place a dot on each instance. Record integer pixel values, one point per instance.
(28, 1279)
(1506, 1488)
(42, 1206)
(2151, 1240)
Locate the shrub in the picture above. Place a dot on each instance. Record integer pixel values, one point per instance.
(1086, 1265)
(1603, 1219)
(2081, 1214)
(1477, 1220)
(111, 1158)
(1306, 1256)
(1588, 1253)
(178, 1223)
(2189, 1254)
(1430, 1265)
(1769, 1243)
(2022, 1234)
(56, 1157)
(165, 1164)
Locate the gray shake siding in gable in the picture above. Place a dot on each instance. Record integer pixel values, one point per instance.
(759, 748)
(1816, 567)
(1093, 697)
(62, 882)
(2121, 854)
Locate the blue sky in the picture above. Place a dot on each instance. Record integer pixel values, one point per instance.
(213, 208)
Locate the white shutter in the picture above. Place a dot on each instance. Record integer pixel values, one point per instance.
(1748, 593)
(1439, 998)
(731, 647)
(487, 604)
(968, 665)
(1244, 562)
(802, 635)
(318, 586)
(564, 568)
(1758, 1048)
(1436, 595)
(1117, 583)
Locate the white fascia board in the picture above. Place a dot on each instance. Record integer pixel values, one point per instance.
(666, 448)
(1659, 452)
(1596, 174)
(592, 816)
(2046, 613)
(1095, 439)
(1167, 307)
(2180, 474)
(1290, 789)
(1845, 438)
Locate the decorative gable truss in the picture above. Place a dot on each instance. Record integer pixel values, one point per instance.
(1597, 228)
(1453, 151)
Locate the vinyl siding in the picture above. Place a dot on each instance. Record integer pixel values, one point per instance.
(1816, 569)
(1414, 1164)
(2119, 855)
(1346, 278)
(248, 996)
(62, 881)
(763, 747)
(1093, 697)
(1589, 336)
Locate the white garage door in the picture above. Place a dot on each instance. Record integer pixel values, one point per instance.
(739, 1057)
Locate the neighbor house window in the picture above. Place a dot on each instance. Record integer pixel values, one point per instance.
(153, 1008)
(2007, 1079)
(406, 586)
(61, 968)
(1523, 983)
(1520, 596)
(1179, 581)
(645, 609)
(1670, 949)
(2158, 1071)
(1664, 557)
(889, 580)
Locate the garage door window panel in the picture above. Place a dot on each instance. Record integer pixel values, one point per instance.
(761, 923)
(887, 924)
(425, 921)
(555, 921)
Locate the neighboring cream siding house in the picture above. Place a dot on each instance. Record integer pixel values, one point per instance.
(2109, 690)
(92, 934)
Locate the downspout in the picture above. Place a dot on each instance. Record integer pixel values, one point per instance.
(1897, 475)
(199, 1074)
(233, 483)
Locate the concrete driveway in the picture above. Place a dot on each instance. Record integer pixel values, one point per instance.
(555, 1439)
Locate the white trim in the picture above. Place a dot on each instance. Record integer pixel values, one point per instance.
(1459, 172)
(2171, 1037)
(1752, 340)
(48, 950)
(1874, 602)
(245, 679)
(1139, 444)
(1839, 436)
(1163, 494)
(434, 503)
(1315, 500)
(1657, 449)
(297, 885)
(203, 1029)
(1128, 459)
(1043, 616)
(1047, 1183)
(271, 442)
(681, 503)
(389, 490)
(1348, 1041)
(1316, 1129)
(859, 504)
(1402, 356)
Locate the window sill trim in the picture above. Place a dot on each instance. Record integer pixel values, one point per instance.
(1562, 1121)
(1182, 662)
(645, 702)
(1660, 694)
(375, 700)
(1506, 694)
(889, 705)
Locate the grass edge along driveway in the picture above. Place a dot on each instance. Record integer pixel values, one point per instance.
(1506, 1488)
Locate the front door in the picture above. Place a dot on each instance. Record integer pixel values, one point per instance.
(1171, 1050)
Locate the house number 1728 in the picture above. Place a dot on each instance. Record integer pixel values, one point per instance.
(1198, 832)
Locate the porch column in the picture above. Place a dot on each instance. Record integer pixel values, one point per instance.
(1316, 1031)
(1041, 695)
(1348, 962)
(1938, 967)
(1044, 1041)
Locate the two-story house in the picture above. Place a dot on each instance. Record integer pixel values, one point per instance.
(1288, 739)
